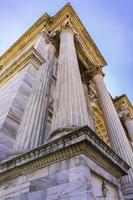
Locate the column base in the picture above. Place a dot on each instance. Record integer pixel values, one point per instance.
(127, 191)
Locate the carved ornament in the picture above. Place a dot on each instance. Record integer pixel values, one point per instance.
(95, 70)
(127, 116)
(81, 141)
(105, 189)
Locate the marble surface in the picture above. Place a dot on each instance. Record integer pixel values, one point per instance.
(13, 99)
(70, 108)
(72, 178)
(117, 136)
(33, 124)
(65, 180)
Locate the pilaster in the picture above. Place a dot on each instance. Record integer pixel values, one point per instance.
(32, 127)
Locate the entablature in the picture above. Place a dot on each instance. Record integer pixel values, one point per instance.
(87, 51)
(30, 56)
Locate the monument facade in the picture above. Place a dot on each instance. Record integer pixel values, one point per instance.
(62, 136)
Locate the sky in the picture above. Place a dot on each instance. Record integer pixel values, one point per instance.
(109, 22)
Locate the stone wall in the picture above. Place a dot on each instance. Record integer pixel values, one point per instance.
(13, 99)
(71, 179)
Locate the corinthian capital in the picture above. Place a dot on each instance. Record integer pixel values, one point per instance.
(127, 116)
(50, 38)
(67, 26)
(95, 70)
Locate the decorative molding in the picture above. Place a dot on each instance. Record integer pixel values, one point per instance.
(123, 99)
(30, 56)
(89, 45)
(84, 78)
(105, 189)
(127, 116)
(41, 25)
(95, 70)
(123, 106)
(88, 51)
(80, 141)
(67, 26)
(124, 113)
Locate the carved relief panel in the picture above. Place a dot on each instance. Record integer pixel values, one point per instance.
(102, 189)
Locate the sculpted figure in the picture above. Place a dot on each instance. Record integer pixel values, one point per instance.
(105, 189)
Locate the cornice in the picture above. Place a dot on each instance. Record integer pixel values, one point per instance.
(123, 97)
(30, 56)
(37, 28)
(81, 141)
(88, 52)
(95, 70)
(83, 35)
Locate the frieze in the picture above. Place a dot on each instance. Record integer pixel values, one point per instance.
(88, 48)
(80, 141)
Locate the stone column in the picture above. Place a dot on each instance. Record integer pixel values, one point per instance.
(118, 139)
(127, 119)
(32, 127)
(70, 110)
(91, 120)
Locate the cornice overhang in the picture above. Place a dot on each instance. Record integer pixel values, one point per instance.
(30, 56)
(123, 97)
(81, 141)
(88, 51)
(28, 36)
(83, 37)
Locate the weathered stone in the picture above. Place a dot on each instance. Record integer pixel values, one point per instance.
(45, 108)
(13, 99)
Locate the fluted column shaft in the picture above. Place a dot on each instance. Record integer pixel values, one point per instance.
(91, 120)
(128, 122)
(33, 122)
(117, 136)
(70, 105)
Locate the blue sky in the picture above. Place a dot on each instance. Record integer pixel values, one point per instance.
(109, 22)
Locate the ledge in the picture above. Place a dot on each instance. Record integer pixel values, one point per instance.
(80, 141)
(30, 56)
(88, 53)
